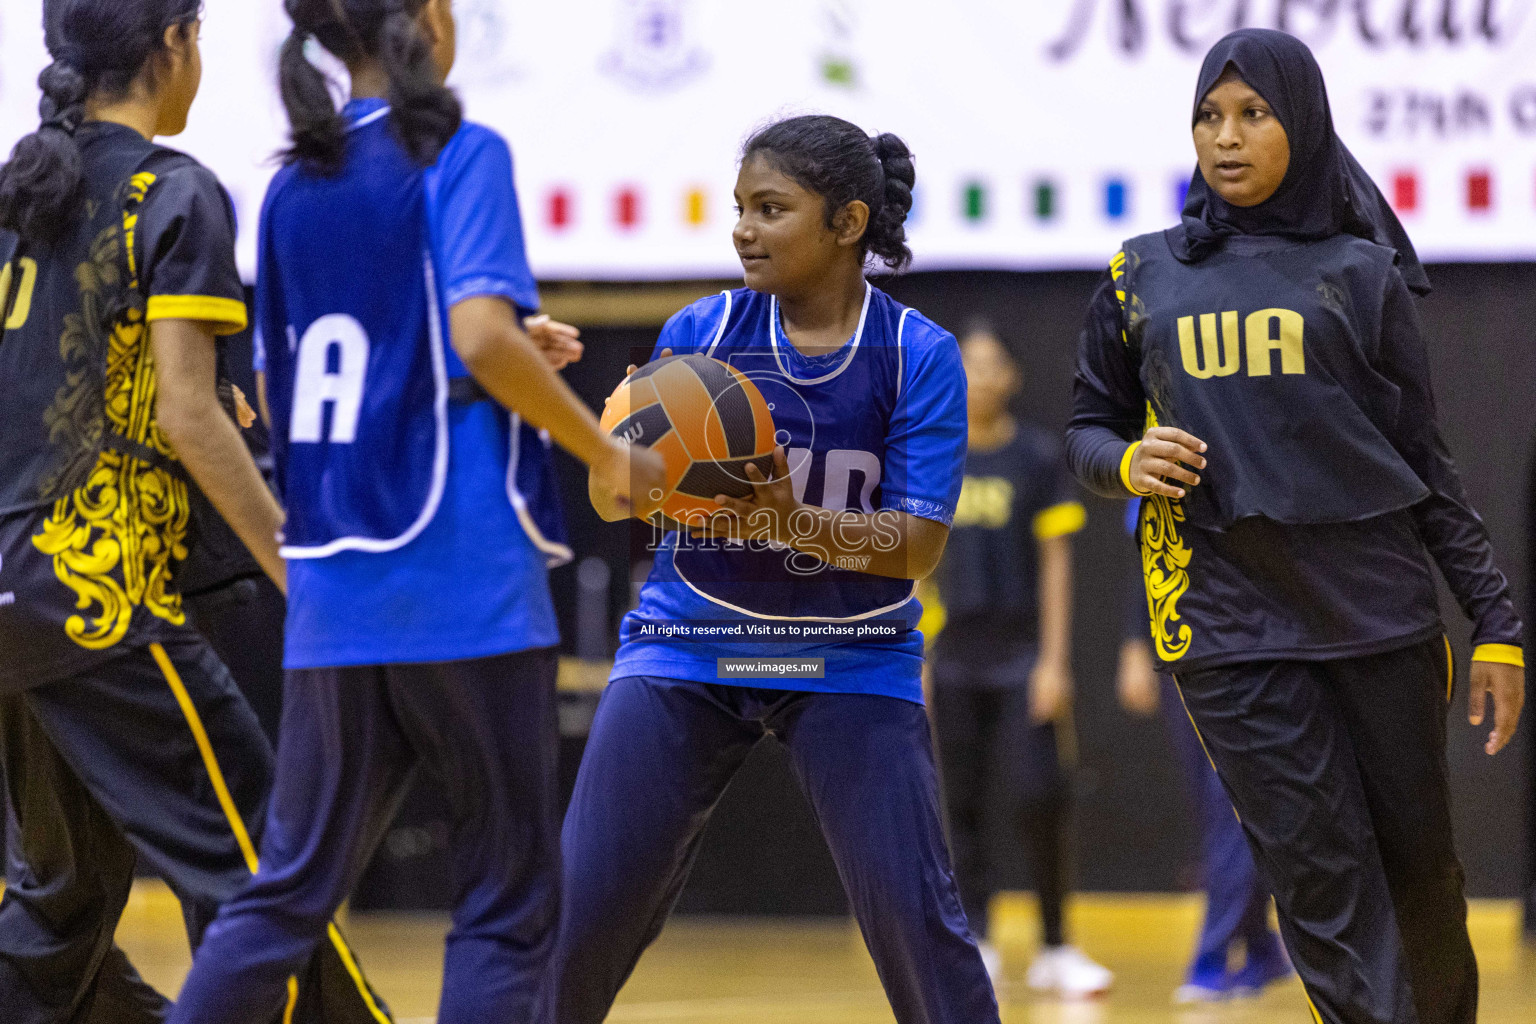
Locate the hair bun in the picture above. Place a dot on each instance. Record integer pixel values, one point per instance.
(895, 159)
(63, 88)
(889, 226)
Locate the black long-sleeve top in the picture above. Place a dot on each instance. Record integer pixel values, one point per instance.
(1329, 485)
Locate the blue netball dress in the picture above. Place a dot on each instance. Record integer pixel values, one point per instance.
(877, 424)
(420, 628)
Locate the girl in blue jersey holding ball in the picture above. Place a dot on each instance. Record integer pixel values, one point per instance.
(420, 631)
(868, 399)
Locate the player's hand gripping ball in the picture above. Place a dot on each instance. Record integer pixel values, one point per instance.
(706, 419)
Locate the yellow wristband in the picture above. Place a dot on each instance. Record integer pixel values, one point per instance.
(1503, 654)
(1125, 469)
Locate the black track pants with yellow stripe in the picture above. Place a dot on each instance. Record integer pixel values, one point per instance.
(153, 758)
(1337, 770)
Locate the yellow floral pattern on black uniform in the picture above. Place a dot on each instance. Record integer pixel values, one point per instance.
(115, 538)
(1165, 556)
(1165, 559)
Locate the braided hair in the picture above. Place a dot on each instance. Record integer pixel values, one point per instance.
(423, 113)
(99, 47)
(836, 160)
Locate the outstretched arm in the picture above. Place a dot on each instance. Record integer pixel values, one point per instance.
(605, 500)
(513, 369)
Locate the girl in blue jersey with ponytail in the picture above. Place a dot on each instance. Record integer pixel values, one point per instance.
(420, 631)
(868, 399)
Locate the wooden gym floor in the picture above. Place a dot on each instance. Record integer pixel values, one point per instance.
(729, 970)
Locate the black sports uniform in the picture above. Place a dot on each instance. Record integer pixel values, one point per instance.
(1290, 592)
(121, 733)
(1002, 772)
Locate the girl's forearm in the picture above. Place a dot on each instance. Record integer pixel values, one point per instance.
(207, 441)
(209, 445)
(1097, 456)
(501, 357)
(884, 543)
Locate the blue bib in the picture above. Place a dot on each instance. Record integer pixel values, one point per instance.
(836, 461)
(877, 424)
(358, 385)
(422, 515)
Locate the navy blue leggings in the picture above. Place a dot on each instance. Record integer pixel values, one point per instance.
(351, 741)
(659, 757)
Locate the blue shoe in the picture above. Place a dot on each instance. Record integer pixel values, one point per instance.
(1266, 965)
(1206, 983)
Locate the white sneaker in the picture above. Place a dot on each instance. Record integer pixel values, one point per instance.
(1065, 971)
(992, 960)
(1190, 995)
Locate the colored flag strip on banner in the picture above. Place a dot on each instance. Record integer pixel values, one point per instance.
(1044, 200)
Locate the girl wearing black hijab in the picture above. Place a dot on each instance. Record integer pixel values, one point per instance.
(1258, 376)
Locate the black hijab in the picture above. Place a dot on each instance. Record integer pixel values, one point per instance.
(1325, 190)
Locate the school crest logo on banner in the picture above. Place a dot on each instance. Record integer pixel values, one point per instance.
(486, 37)
(655, 48)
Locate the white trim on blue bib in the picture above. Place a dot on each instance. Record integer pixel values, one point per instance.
(911, 593)
(555, 553)
(775, 329)
(375, 546)
(901, 352)
(724, 320)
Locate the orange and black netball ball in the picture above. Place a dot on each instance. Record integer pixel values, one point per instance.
(706, 419)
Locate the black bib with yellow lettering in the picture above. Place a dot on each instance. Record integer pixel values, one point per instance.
(1266, 350)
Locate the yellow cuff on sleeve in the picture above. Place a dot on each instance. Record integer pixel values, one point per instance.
(1060, 520)
(1125, 469)
(227, 315)
(1503, 654)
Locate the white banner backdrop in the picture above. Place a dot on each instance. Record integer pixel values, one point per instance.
(1046, 131)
